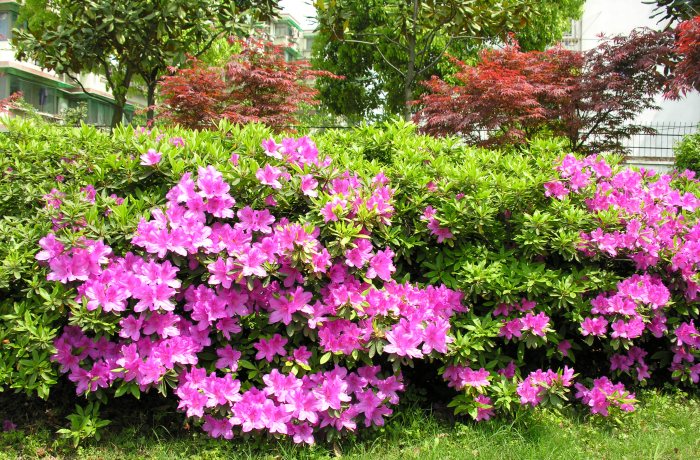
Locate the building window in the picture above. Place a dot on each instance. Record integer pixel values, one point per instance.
(7, 22)
(42, 98)
(99, 113)
(309, 43)
(15, 16)
(282, 30)
(4, 25)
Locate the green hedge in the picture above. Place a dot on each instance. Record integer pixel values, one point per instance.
(510, 241)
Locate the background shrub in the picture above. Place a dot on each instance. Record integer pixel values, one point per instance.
(688, 153)
(537, 245)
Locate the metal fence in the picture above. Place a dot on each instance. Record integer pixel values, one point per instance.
(654, 147)
(658, 146)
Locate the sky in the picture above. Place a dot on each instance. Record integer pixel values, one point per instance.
(300, 9)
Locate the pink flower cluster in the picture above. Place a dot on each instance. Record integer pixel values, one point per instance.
(638, 297)
(335, 399)
(461, 377)
(686, 346)
(442, 233)
(604, 394)
(625, 363)
(657, 226)
(537, 325)
(536, 385)
(166, 328)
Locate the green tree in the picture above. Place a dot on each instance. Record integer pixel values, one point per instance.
(407, 34)
(129, 39)
(675, 10)
(548, 26)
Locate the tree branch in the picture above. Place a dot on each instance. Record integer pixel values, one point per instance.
(208, 45)
(600, 120)
(404, 47)
(436, 59)
(380, 52)
(78, 82)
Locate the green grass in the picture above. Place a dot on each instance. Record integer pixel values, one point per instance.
(663, 427)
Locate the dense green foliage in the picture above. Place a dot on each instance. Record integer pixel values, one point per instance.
(688, 153)
(510, 241)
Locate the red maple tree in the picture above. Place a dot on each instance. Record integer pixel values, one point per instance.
(256, 85)
(686, 74)
(194, 97)
(510, 95)
(588, 98)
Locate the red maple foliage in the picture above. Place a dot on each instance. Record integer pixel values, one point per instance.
(7, 103)
(257, 86)
(687, 72)
(194, 97)
(588, 98)
(509, 94)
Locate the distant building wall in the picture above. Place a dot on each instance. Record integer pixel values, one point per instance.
(619, 17)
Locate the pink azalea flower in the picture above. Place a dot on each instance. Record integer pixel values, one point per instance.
(308, 185)
(508, 371)
(150, 158)
(381, 265)
(536, 324)
(228, 357)
(272, 148)
(595, 326)
(269, 176)
(563, 346)
(268, 349)
(303, 434)
(440, 232)
(556, 189)
(484, 413)
(270, 201)
(302, 355)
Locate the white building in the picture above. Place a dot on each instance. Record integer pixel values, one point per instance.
(676, 118)
(287, 31)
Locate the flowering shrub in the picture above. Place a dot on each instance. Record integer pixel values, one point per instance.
(263, 277)
(287, 286)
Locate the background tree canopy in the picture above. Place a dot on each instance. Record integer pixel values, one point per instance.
(373, 89)
(130, 39)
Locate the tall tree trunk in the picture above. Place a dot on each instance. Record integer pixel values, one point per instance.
(410, 72)
(118, 114)
(151, 94)
(151, 97)
(119, 93)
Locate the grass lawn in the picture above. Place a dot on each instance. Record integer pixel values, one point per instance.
(663, 427)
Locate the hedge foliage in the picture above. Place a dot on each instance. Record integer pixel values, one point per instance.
(688, 153)
(541, 263)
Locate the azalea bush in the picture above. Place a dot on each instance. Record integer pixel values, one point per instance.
(296, 286)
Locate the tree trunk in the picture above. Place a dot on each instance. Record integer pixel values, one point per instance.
(151, 97)
(118, 114)
(410, 72)
(119, 93)
(151, 94)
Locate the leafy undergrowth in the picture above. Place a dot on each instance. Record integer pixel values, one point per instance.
(665, 426)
